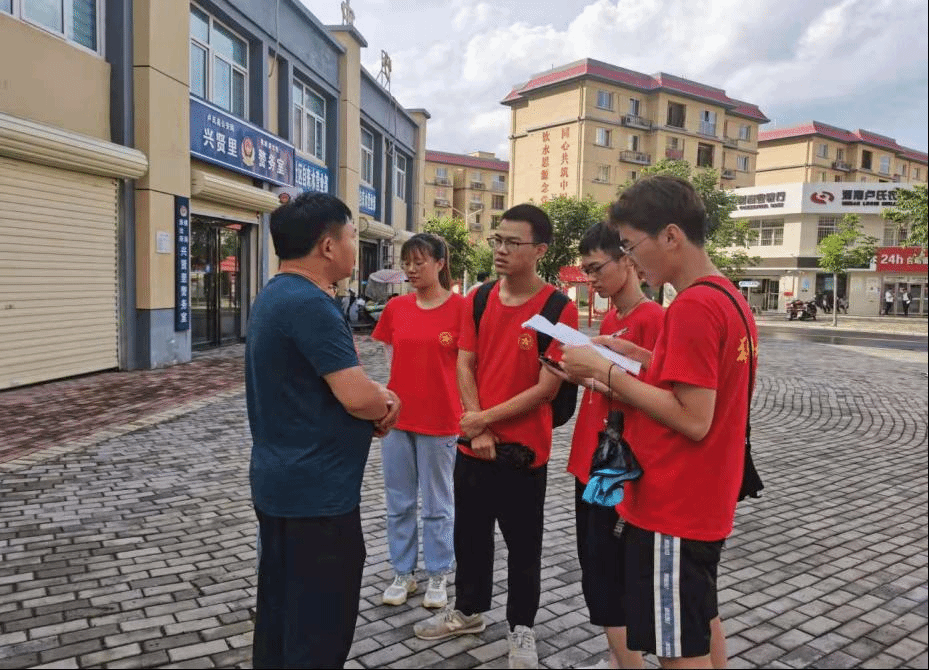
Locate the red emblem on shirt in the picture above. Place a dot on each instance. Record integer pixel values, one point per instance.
(446, 339)
(525, 341)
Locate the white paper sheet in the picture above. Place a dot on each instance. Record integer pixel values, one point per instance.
(568, 335)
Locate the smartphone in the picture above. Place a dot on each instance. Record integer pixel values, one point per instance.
(545, 360)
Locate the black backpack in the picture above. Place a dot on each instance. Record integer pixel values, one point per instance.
(565, 401)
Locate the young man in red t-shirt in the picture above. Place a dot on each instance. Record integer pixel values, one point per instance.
(506, 394)
(689, 435)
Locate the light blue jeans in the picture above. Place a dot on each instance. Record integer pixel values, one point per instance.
(424, 464)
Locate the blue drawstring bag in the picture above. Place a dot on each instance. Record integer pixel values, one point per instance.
(612, 466)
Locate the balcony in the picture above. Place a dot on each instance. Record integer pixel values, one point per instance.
(841, 165)
(635, 157)
(708, 129)
(478, 185)
(440, 202)
(635, 121)
(443, 181)
(731, 142)
(475, 206)
(674, 154)
(728, 173)
(498, 186)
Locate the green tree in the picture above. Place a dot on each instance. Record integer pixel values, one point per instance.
(571, 217)
(483, 258)
(848, 247)
(461, 251)
(910, 213)
(727, 238)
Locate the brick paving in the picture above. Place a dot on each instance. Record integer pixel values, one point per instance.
(128, 540)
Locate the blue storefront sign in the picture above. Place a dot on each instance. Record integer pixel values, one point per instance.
(218, 137)
(181, 263)
(310, 177)
(367, 200)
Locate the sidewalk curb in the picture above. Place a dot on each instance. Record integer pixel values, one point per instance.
(42, 454)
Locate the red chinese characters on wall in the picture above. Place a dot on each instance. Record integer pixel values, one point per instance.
(554, 171)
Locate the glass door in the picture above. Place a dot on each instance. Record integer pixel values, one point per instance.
(215, 282)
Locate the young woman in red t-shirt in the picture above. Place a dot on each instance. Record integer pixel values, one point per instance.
(420, 331)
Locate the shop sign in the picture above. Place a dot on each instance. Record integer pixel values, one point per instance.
(764, 200)
(749, 283)
(367, 200)
(218, 137)
(906, 260)
(309, 176)
(181, 263)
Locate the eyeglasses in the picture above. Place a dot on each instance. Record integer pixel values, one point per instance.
(594, 270)
(628, 250)
(500, 243)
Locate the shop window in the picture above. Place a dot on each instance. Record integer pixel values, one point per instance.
(367, 157)
(76, 21)
(309, 121)
(826, 227)
(400, 169)
(677, 114)
(218, 63)
(604, 100)
(766, 232)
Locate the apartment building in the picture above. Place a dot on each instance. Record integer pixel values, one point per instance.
(818, 152)
(471, 187)
(135, 205)
(587, 127)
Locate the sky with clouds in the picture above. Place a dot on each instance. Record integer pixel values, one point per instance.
(848, 63)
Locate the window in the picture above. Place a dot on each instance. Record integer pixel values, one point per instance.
(708, 122)
(634, 106)
(741, 163)
(827, 226)
(866, 158)
(745, 132)
(885, 165)
(840, 154)
(604, 100)
(495, 221)
(822, 150)
(915, 173)
(603, 174)
(603, 137)
(218, 63)
(633, 143)
(633, 175)
(400, 177)
(837, 178)
(675, 143)
(822, 176)
(677, 114)
(705, 155)
(74, 20)
(498, 182)
(309, 121)
(903, 169)
(894, 234)
(496, 202)
(367, 157)
(766, 233)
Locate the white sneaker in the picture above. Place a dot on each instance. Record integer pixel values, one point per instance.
(400, 590)
(436, 593)
(448, 623)
(522, 648)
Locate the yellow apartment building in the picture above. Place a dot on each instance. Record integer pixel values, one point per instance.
(142, 149)
(471, 187)
(587, 127)
(818, 152)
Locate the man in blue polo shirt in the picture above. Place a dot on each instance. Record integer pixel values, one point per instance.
(312, 412)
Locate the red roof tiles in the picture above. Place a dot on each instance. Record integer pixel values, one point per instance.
(464, 160)
(842, 135)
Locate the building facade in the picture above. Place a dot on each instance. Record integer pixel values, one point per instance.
(818, 152)
(471, 187)
(789, 220)
(192, 123)
(587, 127)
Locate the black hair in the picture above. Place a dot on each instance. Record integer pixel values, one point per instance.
(483, 276)
(604, 237)
(298, 225)
(653, 202)
(536, 218)
(433, 246)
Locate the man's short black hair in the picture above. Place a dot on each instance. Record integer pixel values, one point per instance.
(653, 202)
(604, 237)
(483, 276)
(298, 225)
(535, 217)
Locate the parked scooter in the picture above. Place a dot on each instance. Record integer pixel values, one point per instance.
(804, 311)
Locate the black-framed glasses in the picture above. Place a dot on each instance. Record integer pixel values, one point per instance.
(594, 270)
(501, 243)
(628, 250)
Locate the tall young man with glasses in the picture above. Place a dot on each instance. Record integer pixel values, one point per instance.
(506, 394)
(689, 436)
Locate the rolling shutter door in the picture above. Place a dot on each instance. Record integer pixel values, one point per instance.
(58, 273)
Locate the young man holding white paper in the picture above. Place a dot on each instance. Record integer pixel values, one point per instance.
(500, 476)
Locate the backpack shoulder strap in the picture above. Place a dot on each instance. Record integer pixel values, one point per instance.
(481, 296)
(551, 310)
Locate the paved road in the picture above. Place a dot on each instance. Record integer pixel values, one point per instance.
(136, 548)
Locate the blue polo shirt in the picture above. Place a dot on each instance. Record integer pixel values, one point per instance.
(308, 453)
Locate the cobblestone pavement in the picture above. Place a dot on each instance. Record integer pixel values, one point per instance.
(134, 546)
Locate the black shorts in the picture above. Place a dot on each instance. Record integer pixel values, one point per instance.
(599, 551)
(670, 592)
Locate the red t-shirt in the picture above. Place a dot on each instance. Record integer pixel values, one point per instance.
(425, 357)
(641, 327)
(689, 489)
(508, 364)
